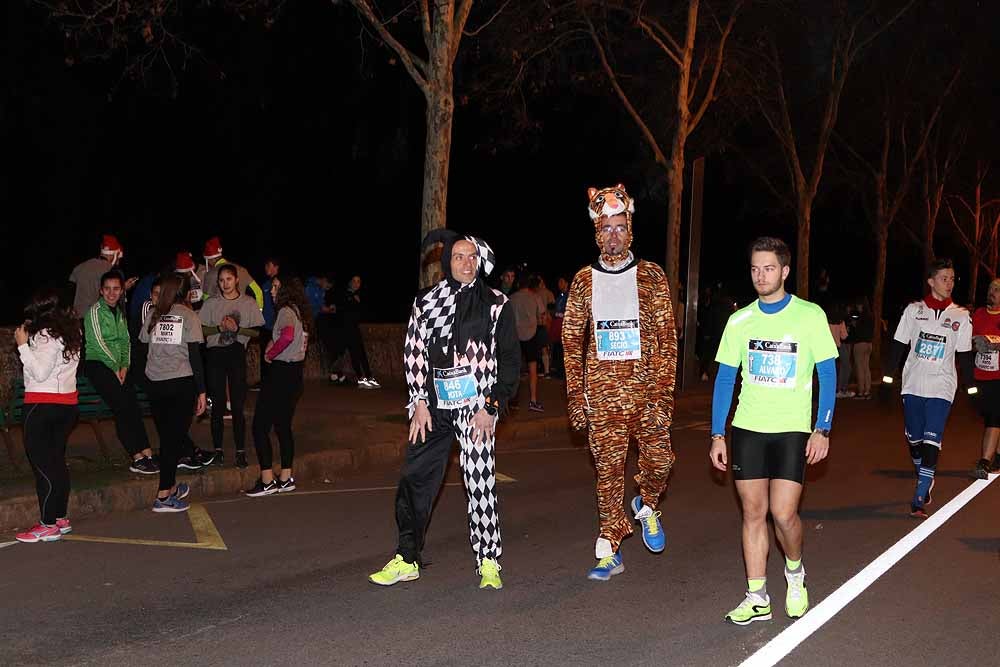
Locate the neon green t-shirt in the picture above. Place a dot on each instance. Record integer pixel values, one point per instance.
(778, 354)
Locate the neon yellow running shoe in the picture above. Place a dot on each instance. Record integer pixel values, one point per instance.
(395, 571)
(489, 569)
(753, 608)
(797, 597)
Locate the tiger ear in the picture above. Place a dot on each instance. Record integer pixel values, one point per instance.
(620, 186)
(590, 193)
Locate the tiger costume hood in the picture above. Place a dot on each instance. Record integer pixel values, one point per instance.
(604, 204)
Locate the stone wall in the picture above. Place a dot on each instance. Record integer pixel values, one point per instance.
(384, 343)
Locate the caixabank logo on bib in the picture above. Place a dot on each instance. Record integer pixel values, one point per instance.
(449, 373)
(774, 346)
(617, 324)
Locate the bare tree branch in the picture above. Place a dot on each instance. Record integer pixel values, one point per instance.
(473, 33)
(719, 57)
(622, 96)
(415, 66)
(461, 18)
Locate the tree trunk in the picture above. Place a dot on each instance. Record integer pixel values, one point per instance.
(437, 157)
(878, 293)
(994, 254)
(439, 94)
(804, 214)
(928, 240)
(675, 196)
(973, 275)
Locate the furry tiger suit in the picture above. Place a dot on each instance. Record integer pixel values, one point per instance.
(615, 399)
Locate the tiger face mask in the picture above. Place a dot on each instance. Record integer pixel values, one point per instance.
(605, 204)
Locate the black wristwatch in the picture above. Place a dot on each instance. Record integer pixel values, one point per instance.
(825, 432)
(491, 407)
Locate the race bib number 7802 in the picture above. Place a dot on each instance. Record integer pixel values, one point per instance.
(169, 330)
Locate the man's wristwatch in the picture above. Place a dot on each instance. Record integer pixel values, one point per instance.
(492, 407)
(825, 432)
(718, 436)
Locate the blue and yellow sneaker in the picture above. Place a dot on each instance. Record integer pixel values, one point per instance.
(652, 531)
(607, 567)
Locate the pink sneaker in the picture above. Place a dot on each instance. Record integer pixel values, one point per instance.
(40, 533)
(63, 526)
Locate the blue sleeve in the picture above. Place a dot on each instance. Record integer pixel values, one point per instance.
(722, 397)
(827, 372)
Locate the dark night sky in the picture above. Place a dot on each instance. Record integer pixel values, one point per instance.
(312, 147)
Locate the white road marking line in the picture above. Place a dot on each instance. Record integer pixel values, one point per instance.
(7, 544)
(786, 641)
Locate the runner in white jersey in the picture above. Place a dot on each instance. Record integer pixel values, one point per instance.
(932, 333)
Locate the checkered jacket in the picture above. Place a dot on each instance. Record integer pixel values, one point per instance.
(496, 361)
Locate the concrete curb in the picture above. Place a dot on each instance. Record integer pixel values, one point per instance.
(21, 512)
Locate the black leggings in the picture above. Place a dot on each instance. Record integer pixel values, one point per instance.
(279, 393)
(228, 364)
(173, 404)
(349, 338)
(124, 404)
(46, 428)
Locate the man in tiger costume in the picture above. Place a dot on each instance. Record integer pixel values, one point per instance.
(621, 360)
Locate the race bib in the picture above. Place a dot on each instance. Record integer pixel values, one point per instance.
(930, 347)
(617, 339)
(615, 313)
(455, 387)
(169, 330)
(988, 361)
(772, 363)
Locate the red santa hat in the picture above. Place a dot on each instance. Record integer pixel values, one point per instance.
(184, 263)
(111, 248)
(213, 248)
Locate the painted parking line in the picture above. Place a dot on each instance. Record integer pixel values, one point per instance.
(206, 534)
(800, 630)
(501, 478)
(7, 544)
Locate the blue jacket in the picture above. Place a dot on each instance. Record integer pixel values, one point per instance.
(316, 295)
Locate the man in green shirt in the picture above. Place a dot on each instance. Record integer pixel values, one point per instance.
(777, 340)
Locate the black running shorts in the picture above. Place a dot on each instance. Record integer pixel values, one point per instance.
(989, 402)
(769, 455)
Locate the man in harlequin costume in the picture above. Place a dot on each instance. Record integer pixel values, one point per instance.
(621, 361)
(462, 361)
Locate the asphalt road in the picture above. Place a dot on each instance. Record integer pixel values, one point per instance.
(290, 585)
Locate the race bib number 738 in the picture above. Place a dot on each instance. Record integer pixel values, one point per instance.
(773, 363)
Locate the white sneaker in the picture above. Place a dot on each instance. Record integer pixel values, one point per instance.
(373, 383)
(363, 383)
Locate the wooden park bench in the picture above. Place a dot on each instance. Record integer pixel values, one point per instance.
(93, 410)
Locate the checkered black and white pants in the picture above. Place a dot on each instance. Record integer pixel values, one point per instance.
(421, 478)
